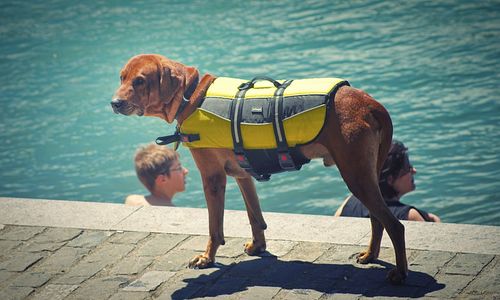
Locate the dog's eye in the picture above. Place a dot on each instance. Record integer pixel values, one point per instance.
(138, 81)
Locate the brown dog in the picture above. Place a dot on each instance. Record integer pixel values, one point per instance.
(356, 137)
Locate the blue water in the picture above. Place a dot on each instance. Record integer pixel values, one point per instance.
(433, 64)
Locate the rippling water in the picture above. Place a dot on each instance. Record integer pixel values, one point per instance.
(433, 64)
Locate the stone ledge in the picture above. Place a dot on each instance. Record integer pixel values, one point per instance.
(294, 227)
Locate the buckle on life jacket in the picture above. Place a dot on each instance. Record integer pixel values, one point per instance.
(286, 161)
(176, 138)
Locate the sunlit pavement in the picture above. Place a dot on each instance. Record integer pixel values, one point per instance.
(79, 250)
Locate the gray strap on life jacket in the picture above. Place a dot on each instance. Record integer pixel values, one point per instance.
(239, 151)
(235, 116)
(284, 157)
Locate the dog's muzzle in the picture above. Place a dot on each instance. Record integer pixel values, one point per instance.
(118, 105)
(125, 107)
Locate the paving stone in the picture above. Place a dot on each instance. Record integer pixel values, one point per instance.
(487, 282)
(453, 285)
(357, 280)
(109, 253)
(56, 235)
(298, 294)
(234, 247)
(340, 296)
(467, 264)
(389, 291)
(36, 247)
(224, 286)
(128, 237)
(197, 243)
(306, 251)
(61, 260)
(418, 276)
(388, 255)
(286, 273)
(131, 296)
(430, 262)
(14, 292)
(160, 244)
(89, 239)
(97, 260)
(279, 248)
(54, 292)
(251, 266)
(177, 288)
(5, 277)
(6, 246)
(81, 272)
(20, 261)
(31, 279)
(201, 276)
(341, 254)
(149, 281)
(132, 265)
(257, 292)
(174, 260)
(98, 288)
(20, 233)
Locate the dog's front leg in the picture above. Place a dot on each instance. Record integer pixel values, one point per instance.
(258, 243)
(214, 186)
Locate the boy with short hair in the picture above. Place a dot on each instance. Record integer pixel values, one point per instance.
(159, 170)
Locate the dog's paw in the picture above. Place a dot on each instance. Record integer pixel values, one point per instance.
(396, 277)
(253, 248)
(200, 262)
(365, 257)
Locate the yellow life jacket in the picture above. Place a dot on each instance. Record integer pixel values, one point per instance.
(263, 121)
(305, 104)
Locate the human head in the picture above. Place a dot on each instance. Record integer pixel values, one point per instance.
(396, 177)
(154, 160)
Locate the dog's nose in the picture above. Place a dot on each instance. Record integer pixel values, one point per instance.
(116, 104)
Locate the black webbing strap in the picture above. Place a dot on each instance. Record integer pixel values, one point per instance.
(176, 138)
(235, 116)
(284, 157)
(239, 151)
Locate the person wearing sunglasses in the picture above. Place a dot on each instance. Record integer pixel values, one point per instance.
(160, 171)
(396, 180)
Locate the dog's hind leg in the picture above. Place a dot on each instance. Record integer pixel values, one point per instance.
(258, 243)
(361, 177)
(381, 216)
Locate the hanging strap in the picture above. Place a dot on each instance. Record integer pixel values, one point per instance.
(235, 116)
(176, 138)
(284, 157)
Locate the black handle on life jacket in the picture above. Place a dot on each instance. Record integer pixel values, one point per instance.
(251, 83)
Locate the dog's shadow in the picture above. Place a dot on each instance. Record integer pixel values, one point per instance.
(304, 278)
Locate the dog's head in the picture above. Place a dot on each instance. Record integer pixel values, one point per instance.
(152, 85)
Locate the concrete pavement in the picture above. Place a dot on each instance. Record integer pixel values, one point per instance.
(79, 250)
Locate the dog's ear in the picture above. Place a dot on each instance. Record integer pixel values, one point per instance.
(170, 84)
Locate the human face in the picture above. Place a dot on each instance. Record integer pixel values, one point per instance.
(405, 182)
(177, 177)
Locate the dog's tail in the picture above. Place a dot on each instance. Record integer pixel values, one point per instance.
(385, 133)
